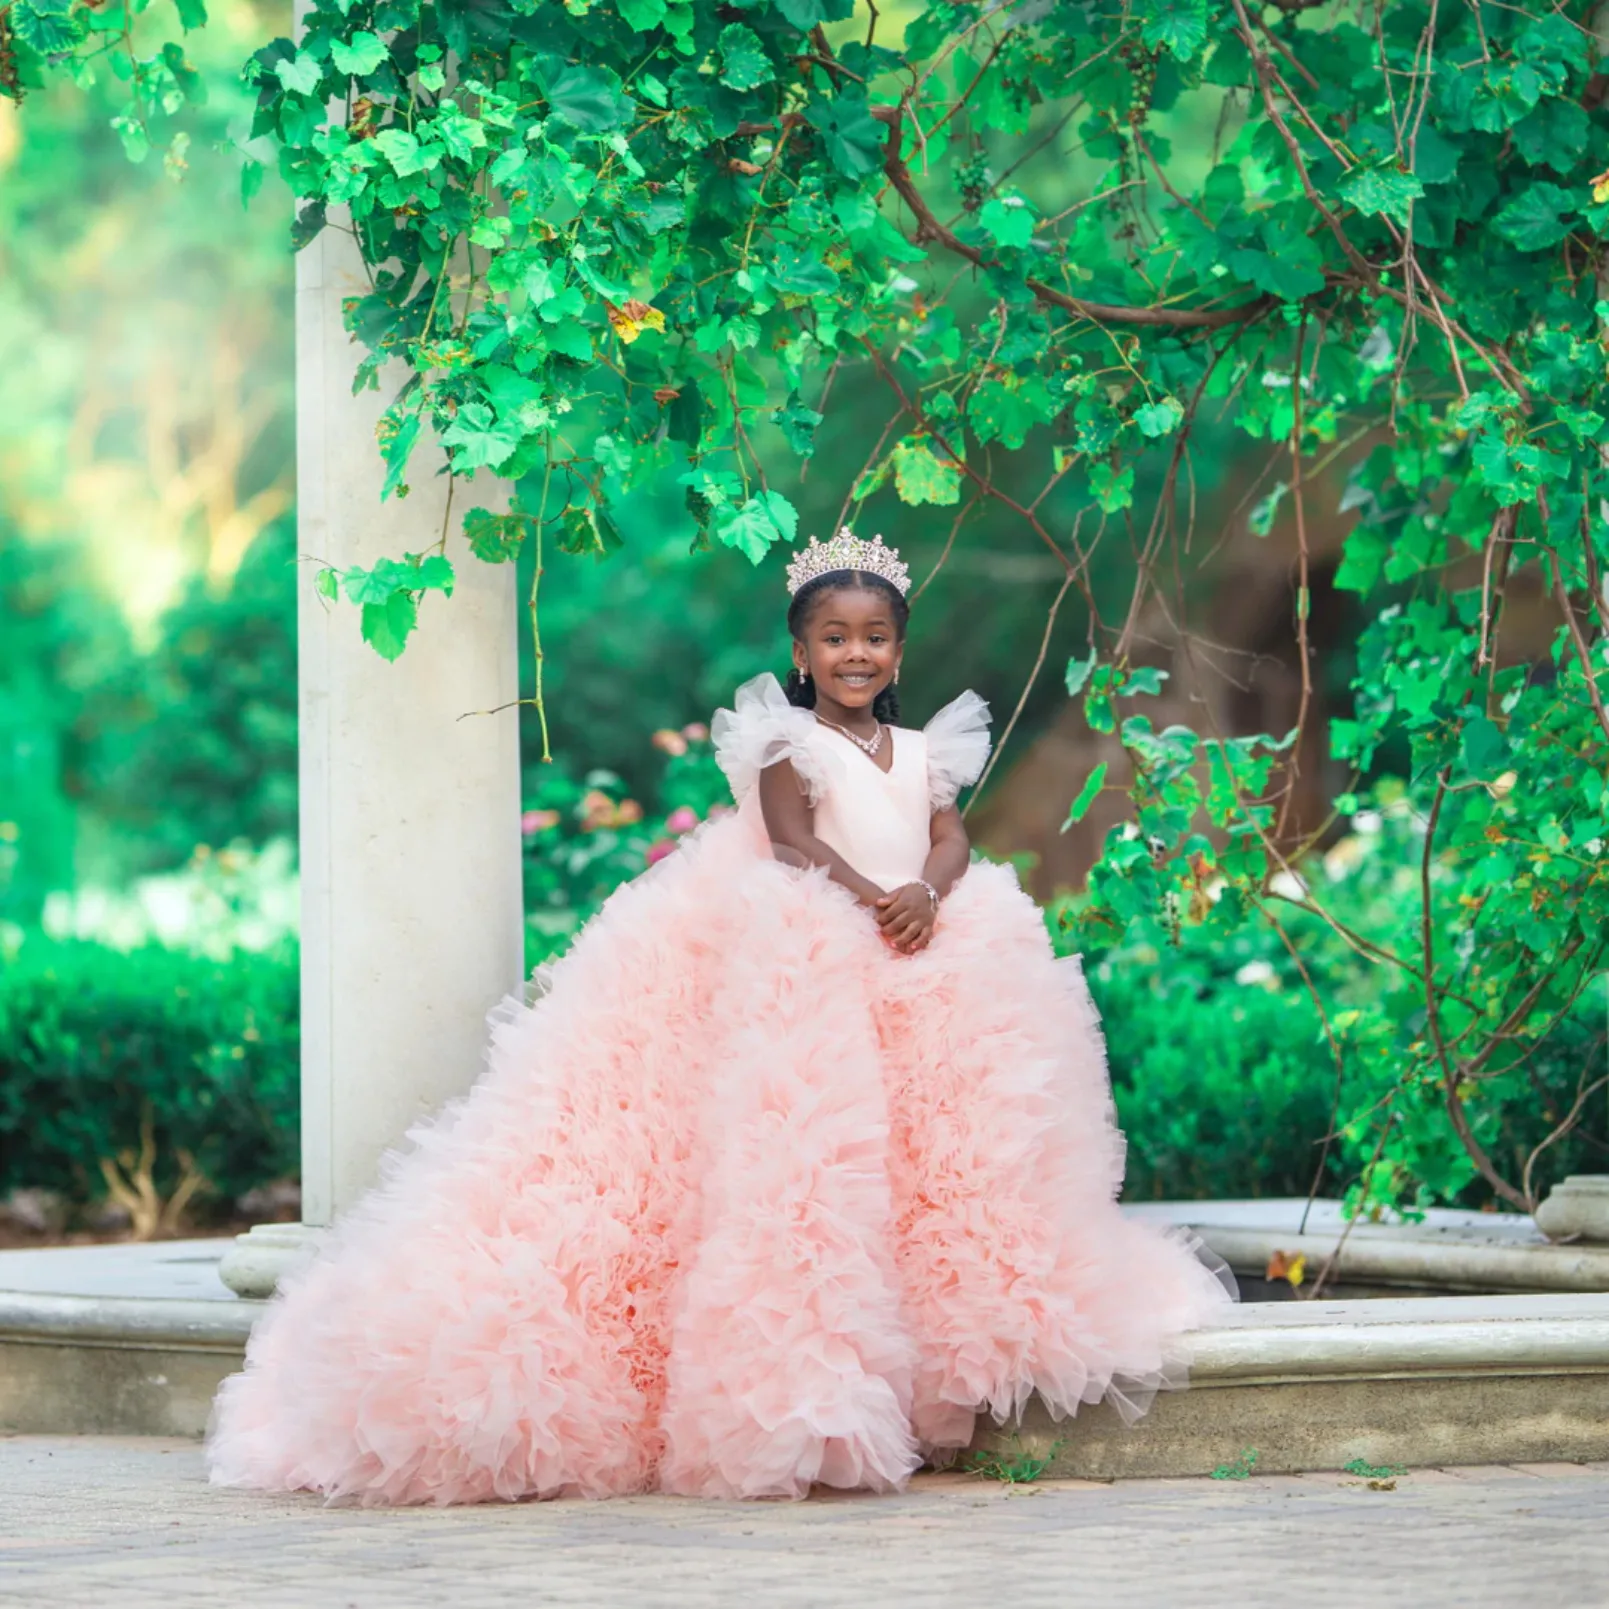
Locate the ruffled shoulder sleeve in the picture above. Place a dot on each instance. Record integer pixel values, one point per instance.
(762, 730)
(957, 748)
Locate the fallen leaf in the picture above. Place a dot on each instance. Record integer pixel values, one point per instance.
(1292, 1269)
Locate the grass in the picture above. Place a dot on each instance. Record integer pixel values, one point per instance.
(1018, 1469)
(1240, 1469)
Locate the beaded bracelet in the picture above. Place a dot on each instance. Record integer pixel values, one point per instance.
(932, 892)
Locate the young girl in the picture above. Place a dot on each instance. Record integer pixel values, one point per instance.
(804, 1155)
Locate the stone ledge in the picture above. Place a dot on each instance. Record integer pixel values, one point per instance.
(126, 1321)
(1439, 1335)
(1450, 1250)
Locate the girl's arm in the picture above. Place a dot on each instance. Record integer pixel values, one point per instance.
(951, 853)
(791, 824)
(908, 914)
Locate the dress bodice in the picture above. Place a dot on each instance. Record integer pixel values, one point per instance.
(879, 821)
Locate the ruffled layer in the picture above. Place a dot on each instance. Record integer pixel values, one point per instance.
(957, 748)
(744, 1202)
(761, 730)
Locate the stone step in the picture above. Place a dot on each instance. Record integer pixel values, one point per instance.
(134, 1340)
(1414, 1383)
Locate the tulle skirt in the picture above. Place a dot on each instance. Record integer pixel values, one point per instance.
(744, 1201)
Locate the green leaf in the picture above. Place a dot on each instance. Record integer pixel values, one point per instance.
(358, 56)
(589, 99)
(468, 25)
(642, 16)
(300, 74)
(798, 424)
(327, 584)
(1009, 223)
(495, 538)
(192, 14)
(921, 477)
(251, 180)
(46, 26)
(756, 525)
(434, 574)
(1264, 511)
(587, 532)
(1485, 748)
(802, 274)
(1086, 796)
(853, 137)
(1079, 672)
(1113, 487)
(1383, 191)
(387, 626)
(396, 452)
(615, 456)
(1178, 26)
(1143, 679)
(131, 131)
(491, 231)
(404, 152)
(1159, 418)
(743, 60)
(481, 442)
(806, 14)
(1537, 217)
(1006, 409)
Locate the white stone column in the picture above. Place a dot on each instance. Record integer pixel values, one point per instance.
(412, 926)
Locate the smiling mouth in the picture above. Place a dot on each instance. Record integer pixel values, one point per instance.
(854, 680)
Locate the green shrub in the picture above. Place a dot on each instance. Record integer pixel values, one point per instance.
(1225, 1080)
(97, 1045)
(1222, 1082)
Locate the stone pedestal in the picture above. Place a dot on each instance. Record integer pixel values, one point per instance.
(1577, 1209)
(412, 927)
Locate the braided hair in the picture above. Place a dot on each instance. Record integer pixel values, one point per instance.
(800, 689)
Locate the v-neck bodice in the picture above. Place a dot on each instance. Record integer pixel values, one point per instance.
(879, 821)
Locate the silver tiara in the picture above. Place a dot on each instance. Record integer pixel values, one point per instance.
(846, 551)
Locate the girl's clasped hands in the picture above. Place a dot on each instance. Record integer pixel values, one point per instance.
(906, 918)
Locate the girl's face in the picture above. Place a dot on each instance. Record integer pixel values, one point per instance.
(850, 646)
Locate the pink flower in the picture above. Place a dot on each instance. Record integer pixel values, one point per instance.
(628, 814)
(672, 743)
(698, 732)
(657, 852)
(682, 819)
(597, 810)
(535, 821)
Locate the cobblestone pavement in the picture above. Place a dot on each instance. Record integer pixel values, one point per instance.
(98, 1521)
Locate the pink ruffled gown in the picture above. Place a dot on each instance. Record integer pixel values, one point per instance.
(744, 1200)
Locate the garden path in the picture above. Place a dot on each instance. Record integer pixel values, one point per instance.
(132, 1523)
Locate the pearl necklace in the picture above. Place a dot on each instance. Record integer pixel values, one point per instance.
(868, 746)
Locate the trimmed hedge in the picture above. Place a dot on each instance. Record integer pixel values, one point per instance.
(96, 1043)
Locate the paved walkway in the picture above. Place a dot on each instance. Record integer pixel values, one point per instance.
(104, 1522)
